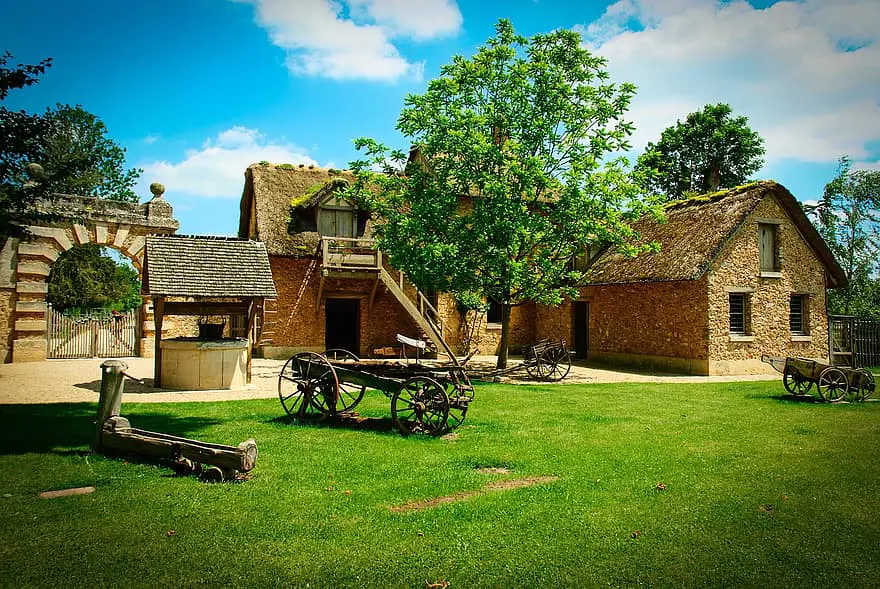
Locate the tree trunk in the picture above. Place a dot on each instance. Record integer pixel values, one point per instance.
(505, 336)
(714, 179)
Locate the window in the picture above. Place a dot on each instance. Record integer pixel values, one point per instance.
(739, 314)
(797, 314)
(337, 222)
(767, 247)
(493, 314)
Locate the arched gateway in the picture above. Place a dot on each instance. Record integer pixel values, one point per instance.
(25, 264)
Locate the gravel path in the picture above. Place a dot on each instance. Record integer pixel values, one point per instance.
(70, 381)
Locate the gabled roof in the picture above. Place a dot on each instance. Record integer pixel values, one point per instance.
(269, 193)
(189, 265)
(695, 232)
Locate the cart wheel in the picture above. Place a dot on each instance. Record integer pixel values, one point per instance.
(307, 386)
(350, 394)
(337, 354)
(833, 384)
(535, 368)
(556, 363)
(866, 383)
(795, 383)
(421, 404)
(459, 401)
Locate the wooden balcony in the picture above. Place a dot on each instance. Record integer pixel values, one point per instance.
(349, 256)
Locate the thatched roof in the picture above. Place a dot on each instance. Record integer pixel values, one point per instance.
(270, 191)
(695, 232)
(192, 265)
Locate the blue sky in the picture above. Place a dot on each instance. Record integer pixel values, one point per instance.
(198, 89)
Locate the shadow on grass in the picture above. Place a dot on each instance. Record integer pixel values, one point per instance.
(797, 399)
(384, 425)
(64, 428)
(131, 386)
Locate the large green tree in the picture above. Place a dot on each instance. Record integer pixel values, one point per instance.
(68, 143)
(710, 150)
(523, 128)
(848, 218)
(85, 278)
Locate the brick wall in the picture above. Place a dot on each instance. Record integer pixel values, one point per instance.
(738, 268)
(294, 322)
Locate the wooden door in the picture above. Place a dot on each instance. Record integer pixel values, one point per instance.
(581, 328)
(342, 324)
(767, 246)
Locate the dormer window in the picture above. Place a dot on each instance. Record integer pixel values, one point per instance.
(337, 218)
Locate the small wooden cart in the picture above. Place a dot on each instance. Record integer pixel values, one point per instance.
(426, 399)
(546, 360)
(833, 383)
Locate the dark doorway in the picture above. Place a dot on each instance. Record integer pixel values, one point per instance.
(581, 328)
(341, 328)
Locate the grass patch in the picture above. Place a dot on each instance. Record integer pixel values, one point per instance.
(756, 491)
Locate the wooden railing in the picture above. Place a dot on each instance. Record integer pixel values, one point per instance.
(353, 253)
(350, 253)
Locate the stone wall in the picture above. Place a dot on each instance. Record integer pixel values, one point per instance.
(738, 269)
(7, 306)
(294, 322)
(657, 325)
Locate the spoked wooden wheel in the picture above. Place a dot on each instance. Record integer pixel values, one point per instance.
(866, 383)
(421, 405)
(350, 394)
(308, 387)
(833, 384)
(556, 364)
(459, 401)
(535, 368)
(795, 383)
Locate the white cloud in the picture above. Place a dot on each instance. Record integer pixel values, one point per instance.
(151, 139)
(807, 74)
(326, 38)
(217, 169)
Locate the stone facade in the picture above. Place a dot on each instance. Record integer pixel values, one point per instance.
(295, 321)
(25, 265)
(737, 270)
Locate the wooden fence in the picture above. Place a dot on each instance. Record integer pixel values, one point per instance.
(101, 335)
(854, 341)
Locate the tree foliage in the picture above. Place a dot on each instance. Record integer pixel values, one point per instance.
(522, 128)
(84, 278)
(711, 150)
(848, 218)
(69, 143)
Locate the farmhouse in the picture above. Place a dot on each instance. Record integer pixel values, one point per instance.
(740, 273)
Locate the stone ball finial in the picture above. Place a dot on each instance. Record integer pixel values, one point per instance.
(34, 171)
(158, 189)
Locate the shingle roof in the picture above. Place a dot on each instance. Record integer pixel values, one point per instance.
(269, 192)
(695, 232)
(185, 265)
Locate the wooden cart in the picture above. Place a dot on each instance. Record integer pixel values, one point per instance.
(424, 398)
(547, 360)
(833, 383)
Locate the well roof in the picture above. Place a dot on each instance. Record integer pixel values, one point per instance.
(191, 265)
(695, 232)
(270, 191)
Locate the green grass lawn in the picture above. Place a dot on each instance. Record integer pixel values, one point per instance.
(760, 490)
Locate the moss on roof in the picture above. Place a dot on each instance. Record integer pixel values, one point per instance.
(695, 231)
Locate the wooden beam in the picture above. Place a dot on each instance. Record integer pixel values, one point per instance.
(158, 315)
(320, 292)
(205, 308)
(373, 293)
(252, 317)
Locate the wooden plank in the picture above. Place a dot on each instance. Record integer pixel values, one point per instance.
(196, 308)
(158, 315)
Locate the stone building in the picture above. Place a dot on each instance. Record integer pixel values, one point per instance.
(739, 274)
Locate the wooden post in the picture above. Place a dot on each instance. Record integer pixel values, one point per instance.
(158, 315)
(110, 401)
(251, 319)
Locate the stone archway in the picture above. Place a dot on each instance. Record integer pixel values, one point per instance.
(25, 264)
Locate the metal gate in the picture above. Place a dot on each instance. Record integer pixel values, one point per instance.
(99, 335)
